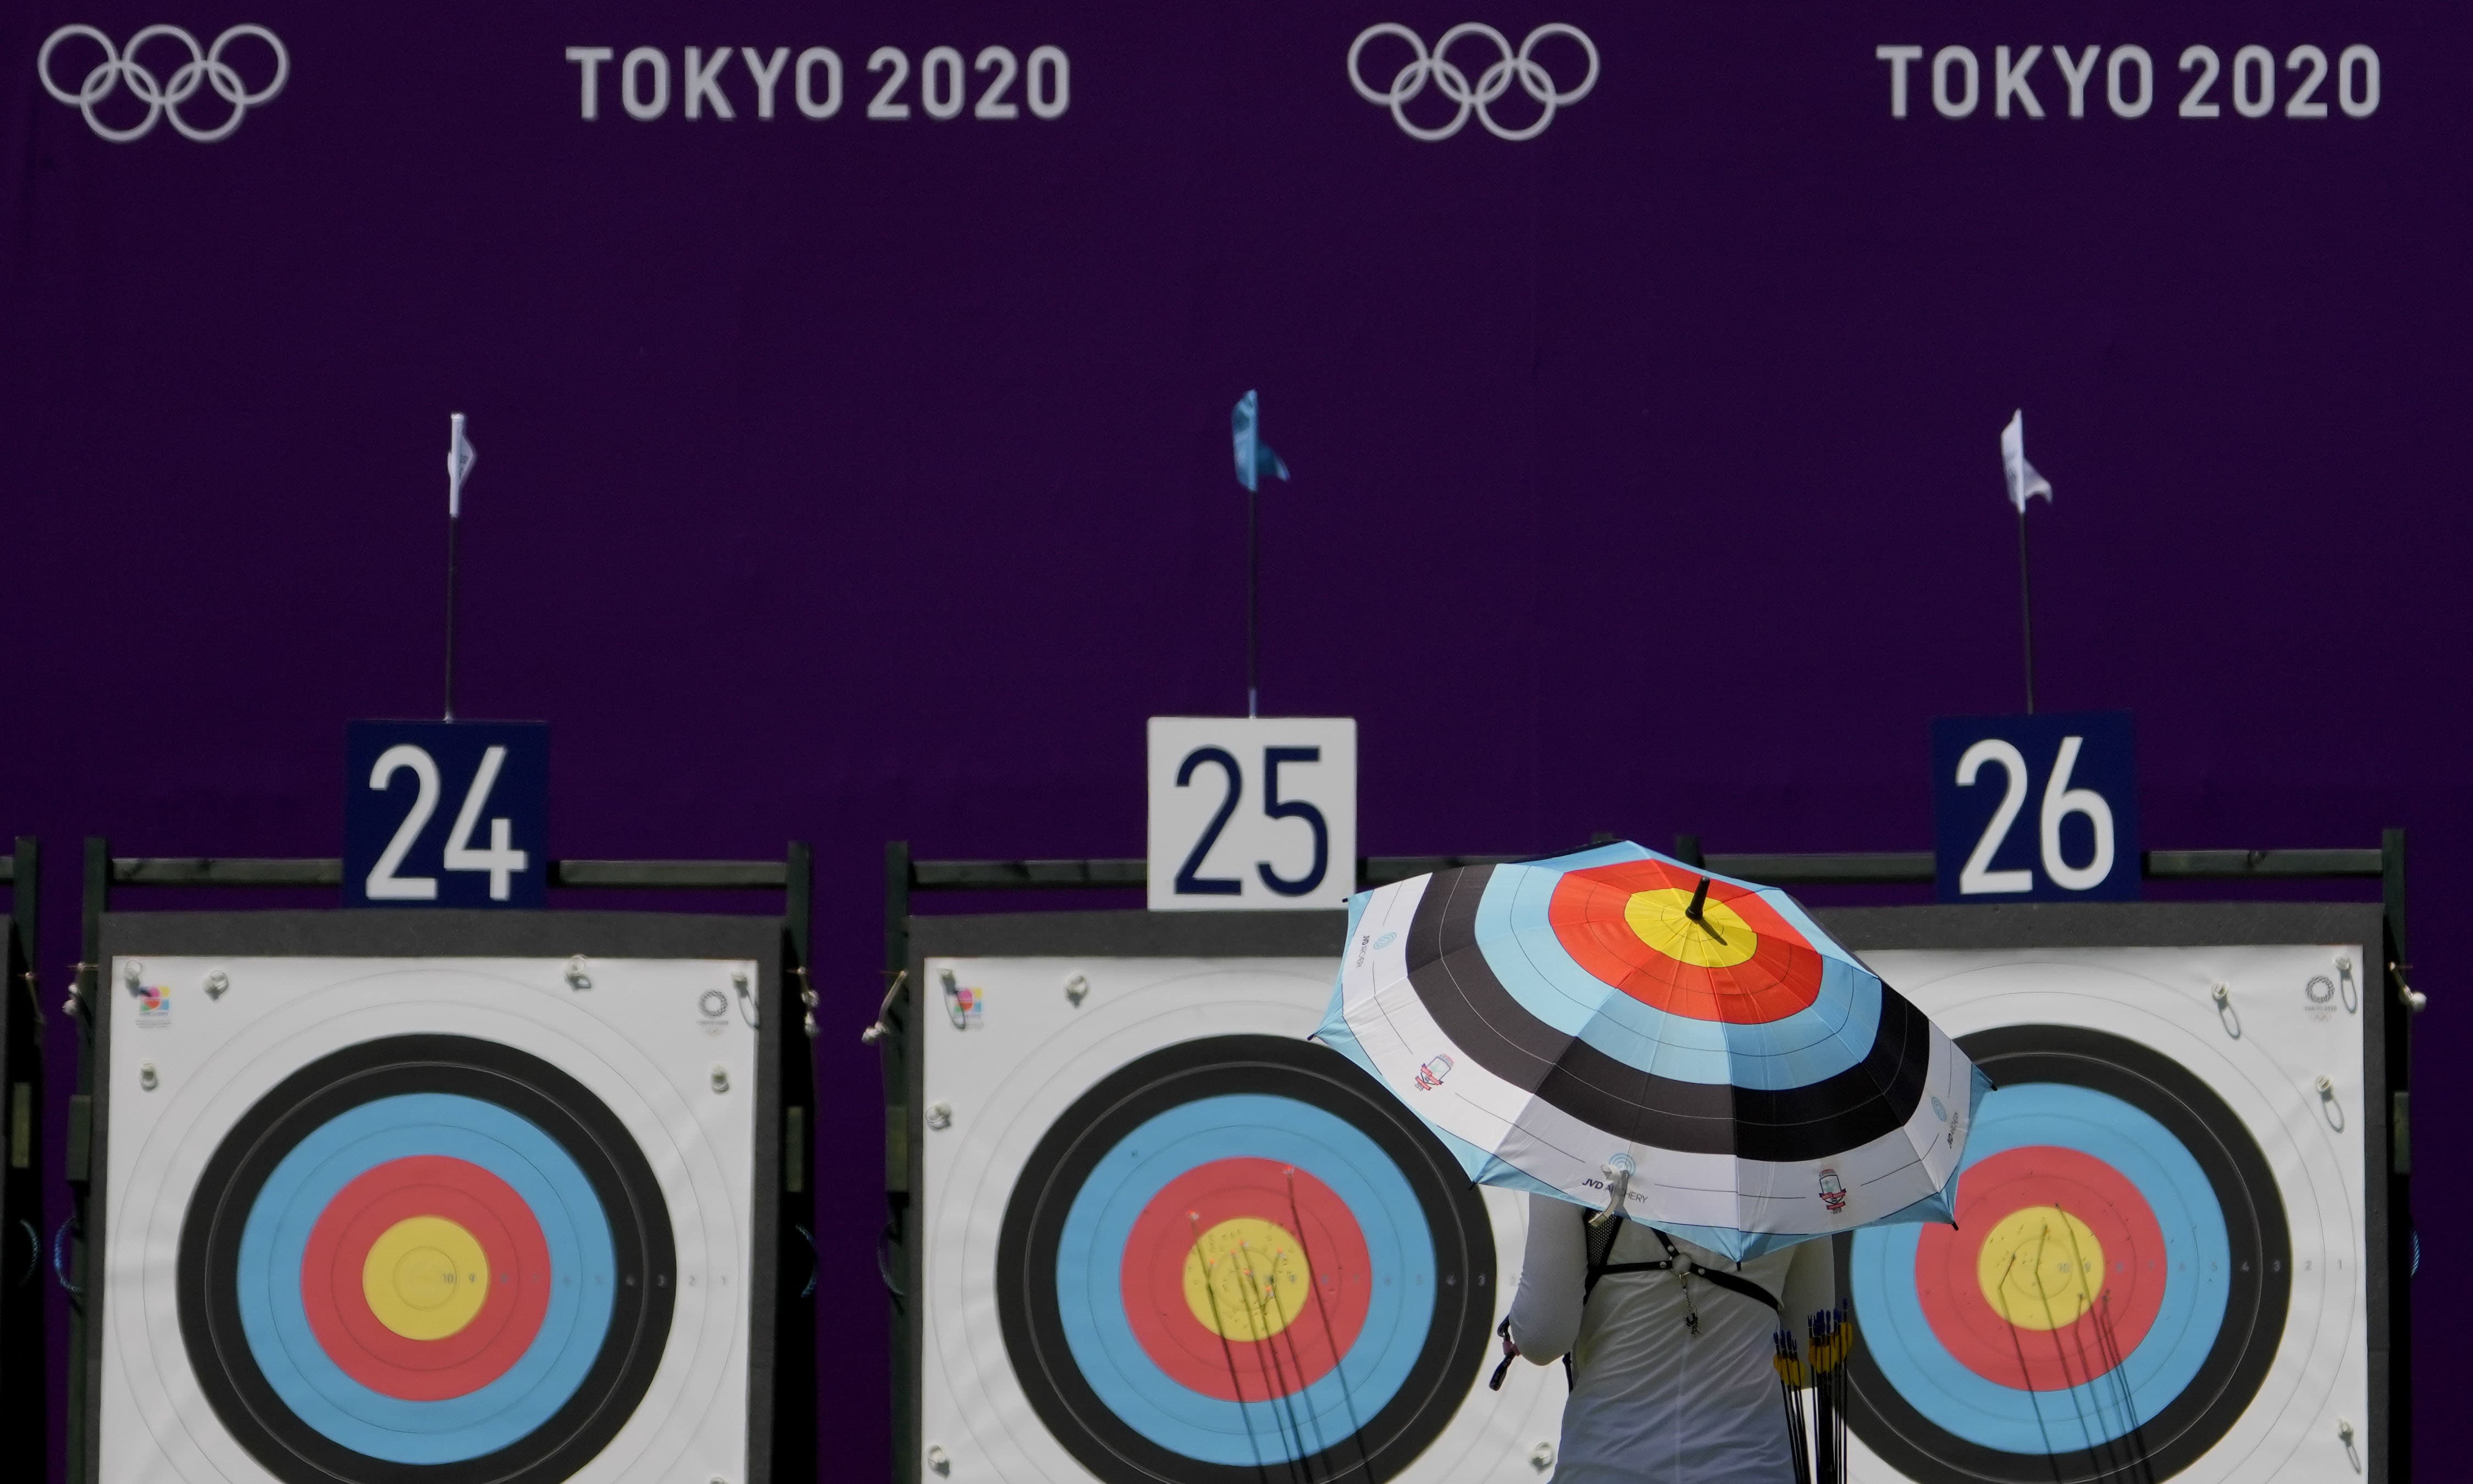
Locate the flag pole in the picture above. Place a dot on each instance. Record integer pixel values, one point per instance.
(1252, 458)
(452, 526)
(2025, 609)
(2025, 483)
(1253, 601)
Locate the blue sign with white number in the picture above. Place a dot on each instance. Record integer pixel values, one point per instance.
(445, 814)
(2036, 808)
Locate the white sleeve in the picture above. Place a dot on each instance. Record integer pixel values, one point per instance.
(1553, 1270)
(1811, 1282)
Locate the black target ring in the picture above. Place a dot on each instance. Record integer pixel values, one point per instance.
(1323, 1084)
(563, 1111)
(2259, 1271)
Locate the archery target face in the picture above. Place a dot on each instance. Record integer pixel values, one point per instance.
(1169, 1238)
(2158, 1257)
(399, 1221)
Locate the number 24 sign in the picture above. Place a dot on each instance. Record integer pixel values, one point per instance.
(445, 814)
(2036, 808)
(1252, 813)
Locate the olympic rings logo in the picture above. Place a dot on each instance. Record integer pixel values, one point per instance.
(1452, 84)
(204, 68)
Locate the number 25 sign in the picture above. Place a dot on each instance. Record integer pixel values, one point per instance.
(2036, 808)
(1252, 813)
(445, 814)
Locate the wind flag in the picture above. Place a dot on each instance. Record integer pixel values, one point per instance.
(2025, 483)
(460, 459)
(1253, 457)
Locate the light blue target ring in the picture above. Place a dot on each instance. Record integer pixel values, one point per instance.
(581, 1258)
(1091, 1299)
(1834, 1032)
(2197, 1284)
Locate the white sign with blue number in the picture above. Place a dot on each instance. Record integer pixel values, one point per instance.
(2036, 808)
(445, 814)
(1252, 813)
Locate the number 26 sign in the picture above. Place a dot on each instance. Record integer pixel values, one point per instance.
(445, 814)
(1252, 813)
(2036, 808)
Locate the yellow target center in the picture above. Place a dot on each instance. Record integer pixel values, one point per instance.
(1246, 1279)
(1662, 919)
(2040, 1268)
(424, 1278)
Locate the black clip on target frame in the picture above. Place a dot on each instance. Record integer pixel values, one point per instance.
(791, 1365)
(2389, 1118)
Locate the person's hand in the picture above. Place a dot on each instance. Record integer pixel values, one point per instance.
(1510, 1353)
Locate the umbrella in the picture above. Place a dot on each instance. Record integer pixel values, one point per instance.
(1632, 1033)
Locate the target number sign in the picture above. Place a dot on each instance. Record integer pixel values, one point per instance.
(445, 814)
(1252, 813)
(2036, 808)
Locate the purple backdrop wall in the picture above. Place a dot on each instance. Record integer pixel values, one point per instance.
(857, 478)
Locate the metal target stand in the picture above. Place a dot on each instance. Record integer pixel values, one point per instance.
(2388, 1119)
(787, 1372)
(22, 1389)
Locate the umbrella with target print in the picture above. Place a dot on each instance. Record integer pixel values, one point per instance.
(1616, 1024)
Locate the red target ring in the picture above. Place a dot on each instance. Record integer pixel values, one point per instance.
(1778, 976)
(1289, 1306)
(360, 1343)
(2006, 1192)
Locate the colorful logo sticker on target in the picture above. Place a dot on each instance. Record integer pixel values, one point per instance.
(154, 1003)
(963, 1003)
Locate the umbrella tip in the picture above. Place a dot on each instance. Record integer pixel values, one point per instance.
(1700, 900)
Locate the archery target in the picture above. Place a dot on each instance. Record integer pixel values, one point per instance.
(1169, 1238)
(2158, 1262)
(451, 1220)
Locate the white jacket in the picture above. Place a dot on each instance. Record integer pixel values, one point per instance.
(1650, 1403)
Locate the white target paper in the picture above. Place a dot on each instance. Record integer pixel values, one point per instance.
(1033, 1035)
(668, 1046)
(2260, 1027)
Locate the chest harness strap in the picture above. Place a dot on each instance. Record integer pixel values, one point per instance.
(1600, 1249)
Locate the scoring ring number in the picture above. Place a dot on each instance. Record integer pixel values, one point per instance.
(204, 68)
(1452, 84)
